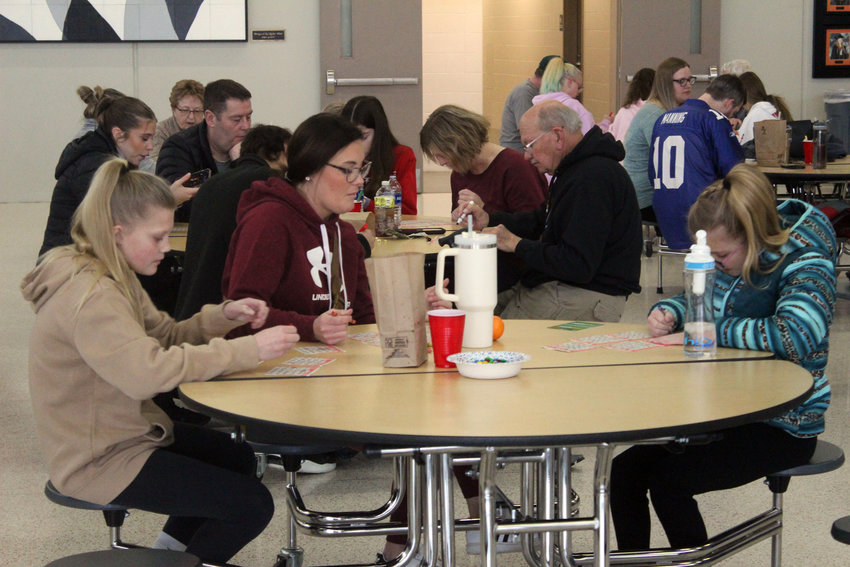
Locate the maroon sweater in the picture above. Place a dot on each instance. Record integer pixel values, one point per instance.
(510, 184)
(276, 254)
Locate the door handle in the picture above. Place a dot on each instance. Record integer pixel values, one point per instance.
(332, 82)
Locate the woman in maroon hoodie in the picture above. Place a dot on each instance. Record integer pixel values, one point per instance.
(289, 244)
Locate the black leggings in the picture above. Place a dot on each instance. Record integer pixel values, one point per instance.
(744, 454)
(205, 483)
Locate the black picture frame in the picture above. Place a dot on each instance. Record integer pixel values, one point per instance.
(831, 39)
(79, 21)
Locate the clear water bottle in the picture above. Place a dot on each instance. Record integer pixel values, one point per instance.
(700, 333)
(396, 189)
(384, 209)
(819, 153)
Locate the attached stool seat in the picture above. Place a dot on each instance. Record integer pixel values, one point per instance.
(841, 530)
(129, 558)
(113, 514)
(827, 457)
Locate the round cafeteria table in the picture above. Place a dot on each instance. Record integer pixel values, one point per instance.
(611, 398)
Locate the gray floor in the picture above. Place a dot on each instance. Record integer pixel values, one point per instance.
(34, 532)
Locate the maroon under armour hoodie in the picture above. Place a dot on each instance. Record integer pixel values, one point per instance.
(279, 254)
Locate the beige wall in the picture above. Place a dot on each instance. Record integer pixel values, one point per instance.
(517, 34)
(600, 57)
(451, 57)
(784, 63)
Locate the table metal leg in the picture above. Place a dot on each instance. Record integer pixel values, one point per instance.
(430, 511)
(546, 506)
(565, 504)
(487, 506)
(447, 522)
(601, 479)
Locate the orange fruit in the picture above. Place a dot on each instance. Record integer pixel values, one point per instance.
(498, 327)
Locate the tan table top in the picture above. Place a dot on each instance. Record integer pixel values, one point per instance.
(177, 236)
(837, 170)
(575, 397)
(383, 246)
(538, 407)
(522, 335)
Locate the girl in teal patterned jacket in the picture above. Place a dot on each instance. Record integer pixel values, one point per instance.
(774, 291)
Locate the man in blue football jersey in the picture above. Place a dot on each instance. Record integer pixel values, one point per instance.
(693, 145)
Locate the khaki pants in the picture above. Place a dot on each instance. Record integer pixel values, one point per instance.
(556, 300)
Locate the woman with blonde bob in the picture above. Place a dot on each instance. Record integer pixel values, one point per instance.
(774, 292)
(99, 351)
(563, 82)
(500, 178)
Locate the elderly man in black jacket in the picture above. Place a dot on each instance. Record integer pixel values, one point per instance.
(581, 249)
(214, 143)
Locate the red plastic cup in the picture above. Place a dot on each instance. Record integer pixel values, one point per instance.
(358, 207)
(446, 334)
(808, 151)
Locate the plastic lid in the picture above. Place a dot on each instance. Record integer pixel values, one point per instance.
(468, 239)
(700, 254)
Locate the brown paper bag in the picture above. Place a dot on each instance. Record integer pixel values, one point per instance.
(398, 294)
(770, 141)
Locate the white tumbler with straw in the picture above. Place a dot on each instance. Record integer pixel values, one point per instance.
(474, 284)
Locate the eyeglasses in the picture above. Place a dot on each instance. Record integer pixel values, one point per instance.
(723, 259)
(186, 111)
(527, 147)
(686, 81)
(351, 173)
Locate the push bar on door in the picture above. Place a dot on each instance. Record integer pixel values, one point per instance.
(333, 82)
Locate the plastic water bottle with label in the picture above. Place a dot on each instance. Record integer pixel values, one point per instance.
(384, 209)
(395, 186)
(700, 332)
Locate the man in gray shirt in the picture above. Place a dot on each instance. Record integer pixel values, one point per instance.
(517, 103)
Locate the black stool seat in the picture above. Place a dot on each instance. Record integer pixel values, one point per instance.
(827, 457)
(841, 530)
(58, 498)
(129, 558)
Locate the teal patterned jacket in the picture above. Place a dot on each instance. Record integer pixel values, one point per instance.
(787, 312)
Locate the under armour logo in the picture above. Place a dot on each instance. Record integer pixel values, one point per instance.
(315, 257)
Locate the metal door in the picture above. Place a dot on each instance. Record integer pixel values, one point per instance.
(374, 47)
(650, 31)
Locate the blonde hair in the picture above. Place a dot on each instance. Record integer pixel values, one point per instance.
(745, 205)
(557, 71)
(456, 132)
(117, 195)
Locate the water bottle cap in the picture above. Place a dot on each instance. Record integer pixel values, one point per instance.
(700, 254)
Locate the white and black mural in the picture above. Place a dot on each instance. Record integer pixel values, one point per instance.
(122, 20)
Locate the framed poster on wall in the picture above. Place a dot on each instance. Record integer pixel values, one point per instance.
(98, 21)
(831, 39)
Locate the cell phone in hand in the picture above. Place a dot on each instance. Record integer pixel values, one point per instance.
(198, 177)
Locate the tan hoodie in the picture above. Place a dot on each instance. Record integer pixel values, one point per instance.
(94, 371)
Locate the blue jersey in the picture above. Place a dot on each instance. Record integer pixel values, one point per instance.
(692, 146)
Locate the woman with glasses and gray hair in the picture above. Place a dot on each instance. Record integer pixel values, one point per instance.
(187, 109)
(291, 249)
(670, 88)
